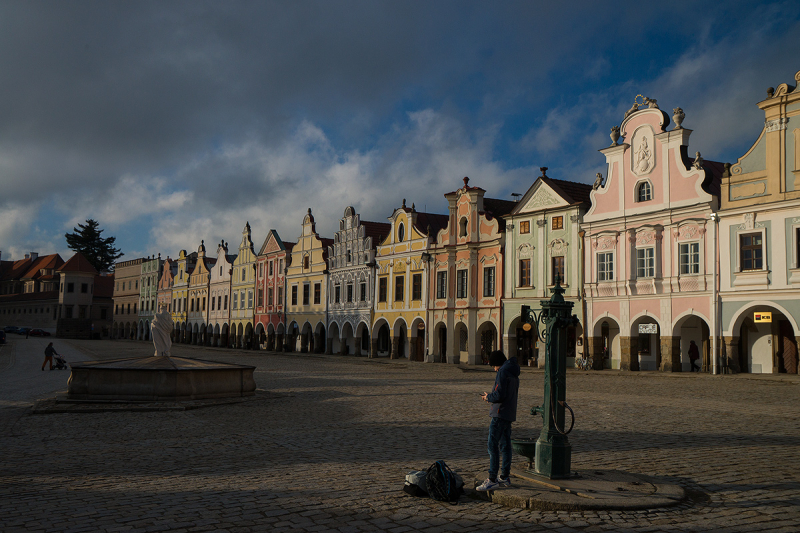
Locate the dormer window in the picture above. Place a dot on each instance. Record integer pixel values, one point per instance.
(644, 192)
(305, 262)
(401, 233)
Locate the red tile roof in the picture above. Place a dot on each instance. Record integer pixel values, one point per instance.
(78, 263)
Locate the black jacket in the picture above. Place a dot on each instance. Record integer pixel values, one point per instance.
(504, 395)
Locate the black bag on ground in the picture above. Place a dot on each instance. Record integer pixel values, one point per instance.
(442, 484)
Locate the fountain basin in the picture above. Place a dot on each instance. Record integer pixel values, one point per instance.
(525, 448)
(157, 378)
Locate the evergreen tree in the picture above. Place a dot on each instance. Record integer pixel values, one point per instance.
(99, 251)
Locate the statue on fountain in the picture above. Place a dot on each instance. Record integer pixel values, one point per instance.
(161, 328)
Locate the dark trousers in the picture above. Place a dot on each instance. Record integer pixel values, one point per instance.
(499, 443)
(695, 368)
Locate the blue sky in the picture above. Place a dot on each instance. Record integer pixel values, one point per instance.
(172, 122)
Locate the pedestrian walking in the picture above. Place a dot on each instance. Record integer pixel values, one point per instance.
(694, 355)
(48, 355)
(503, 400)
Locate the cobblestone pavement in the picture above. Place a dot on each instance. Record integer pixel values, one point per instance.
(329, 450)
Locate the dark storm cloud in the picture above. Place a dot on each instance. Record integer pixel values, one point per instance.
(228, 105)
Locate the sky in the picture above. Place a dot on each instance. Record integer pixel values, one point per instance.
(175, 122)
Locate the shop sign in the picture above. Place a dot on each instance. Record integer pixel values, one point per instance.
(762, 317)
(648, 328)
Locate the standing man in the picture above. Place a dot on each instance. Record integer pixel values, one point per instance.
(694, 355)
(48, 355)
(503, 400)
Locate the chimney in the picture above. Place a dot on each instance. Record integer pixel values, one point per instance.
(34, 256)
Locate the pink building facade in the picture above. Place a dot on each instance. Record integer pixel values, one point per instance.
(649, 247)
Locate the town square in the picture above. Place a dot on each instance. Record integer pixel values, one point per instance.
(399, 266)
(326, 441)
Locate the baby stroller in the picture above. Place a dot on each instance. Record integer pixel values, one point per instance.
(61, 363)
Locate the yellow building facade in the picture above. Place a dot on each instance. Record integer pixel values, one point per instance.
(306, 298)
(180, 294)
(243, 284)
(402, 262)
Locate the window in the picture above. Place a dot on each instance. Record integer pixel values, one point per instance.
(382, 283)
(399, 288)
(249, 299)
(336, 291)
(261, 297)
(134, 309)
(269, 296)
(605, 266)
(416, 287)
(306, 294)
(557, 223)
(488, 282)
(462, 227)
(689, 255)
(751, 251)
(461, 283)
(235, 304)
(401, 232)
(349, 256)
(204, 303)
(294, 294)
(524, 226)
(305, 262)
(270, 267)
(261, 270)
(220, 270)
(524, 272)
(644, 192)
(213, 303)
(84, 288)
(70, 287)
(280, 296)
(557, 264)
(191, 305)
(350, 292)
(244, 274)
(645, 262)
(317, 293)
(441, 285)
(363, 291)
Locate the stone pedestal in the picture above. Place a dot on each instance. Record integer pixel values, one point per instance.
(671, 354)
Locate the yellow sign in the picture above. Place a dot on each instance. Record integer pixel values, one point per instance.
(526, 327)
(763, 317)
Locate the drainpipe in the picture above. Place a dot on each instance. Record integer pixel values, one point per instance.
(582, 291)
(714, 318)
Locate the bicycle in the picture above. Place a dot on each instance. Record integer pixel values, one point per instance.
(583, 363)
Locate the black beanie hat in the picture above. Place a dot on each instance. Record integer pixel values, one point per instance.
(497, 358)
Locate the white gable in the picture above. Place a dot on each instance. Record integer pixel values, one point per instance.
(542, 197)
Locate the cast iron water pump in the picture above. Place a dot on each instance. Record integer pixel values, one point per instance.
(553, 450)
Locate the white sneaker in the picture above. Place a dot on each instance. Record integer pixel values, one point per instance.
(488, 485)
(504, 482)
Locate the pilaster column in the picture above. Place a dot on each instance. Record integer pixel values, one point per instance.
(730, 359)
(373, 348)
(304, 343)
(412, 349)
(629, 356)
(670, 354)
(395, 347)
(594, 349)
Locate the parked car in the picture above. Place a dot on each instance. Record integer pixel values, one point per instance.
(36, 332)
(23, 331)
(10, 329)
(2, 337)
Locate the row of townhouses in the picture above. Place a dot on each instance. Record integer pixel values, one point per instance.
(68, 298)
(663, 250)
